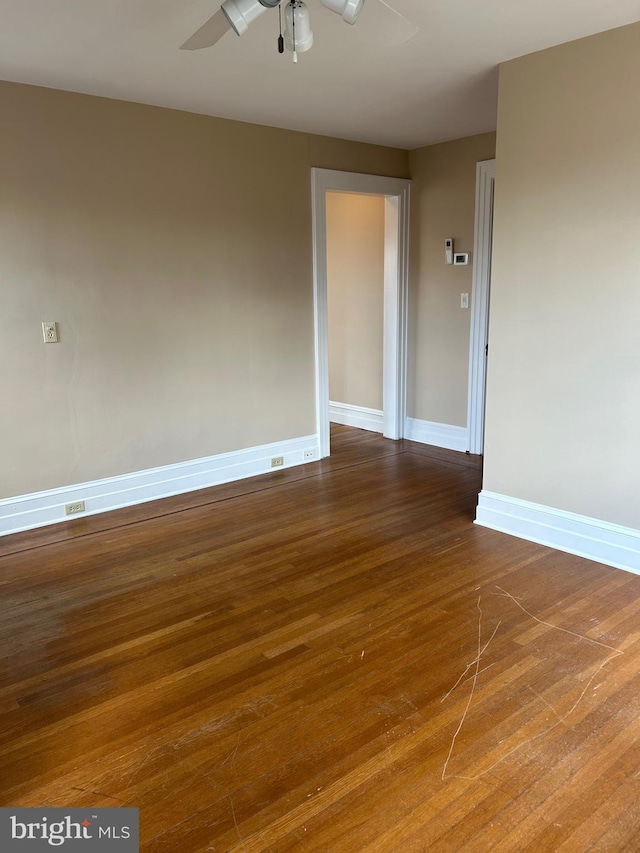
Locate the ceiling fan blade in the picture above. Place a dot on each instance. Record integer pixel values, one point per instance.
(397, 28)
(209, 33)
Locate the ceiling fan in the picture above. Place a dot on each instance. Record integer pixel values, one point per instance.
(237, 15)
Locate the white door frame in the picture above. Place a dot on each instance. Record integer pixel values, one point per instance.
(396, 288)
(485, 177)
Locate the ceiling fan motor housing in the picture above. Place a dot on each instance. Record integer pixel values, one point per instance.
(298, 36)
(347, 9)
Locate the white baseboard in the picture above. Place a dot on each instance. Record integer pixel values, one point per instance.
(36, 510)
(439, 435)
(355, 416)
(577, 534)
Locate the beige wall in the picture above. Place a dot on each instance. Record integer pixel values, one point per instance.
(563, 408)
(174, 251)
(443, 205)
(325, 152)
(355, 290)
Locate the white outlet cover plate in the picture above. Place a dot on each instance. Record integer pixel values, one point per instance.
(49, 332)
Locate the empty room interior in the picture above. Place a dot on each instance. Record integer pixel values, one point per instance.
(319, 494)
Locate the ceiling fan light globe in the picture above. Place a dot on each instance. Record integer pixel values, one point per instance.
(241, 13)
(349, 10)
(300, 39)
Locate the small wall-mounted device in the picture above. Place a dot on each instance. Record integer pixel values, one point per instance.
(461, 259)
(448, 250)
(50, 332)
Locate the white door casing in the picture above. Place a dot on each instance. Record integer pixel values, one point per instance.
(396, 193)
(485, 180)
(396, 288)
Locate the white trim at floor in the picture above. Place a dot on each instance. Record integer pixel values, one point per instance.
(439, 435)
(577, 534)
(356, 416)
(48, 507)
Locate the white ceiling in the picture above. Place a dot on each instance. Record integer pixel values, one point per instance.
(359, 82)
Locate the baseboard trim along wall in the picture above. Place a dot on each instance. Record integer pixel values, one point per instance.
(36, 510)
(439, 435)
(577, 534)
(355, 416)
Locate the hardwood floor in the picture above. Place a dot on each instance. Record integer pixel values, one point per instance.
(331, 658)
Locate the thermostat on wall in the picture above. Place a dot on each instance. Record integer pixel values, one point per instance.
(461, 259)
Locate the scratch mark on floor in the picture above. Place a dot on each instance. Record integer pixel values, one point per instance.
(476, 661)
(484, 669)
(232, 755)
(469, 665)
(144, 763)
(551, 728)
(217, 785)
(235, 821)
(560, 719)
(481, 650)
(557, 627)
(542, 699)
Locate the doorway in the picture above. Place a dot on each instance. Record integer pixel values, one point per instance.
(355, 291)
(396, 285)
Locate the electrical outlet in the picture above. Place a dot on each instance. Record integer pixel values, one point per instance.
(464, 300)
(309, 454)
(74, 508)
(277, 461)
(49, 332)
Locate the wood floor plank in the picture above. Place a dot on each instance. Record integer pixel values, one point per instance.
(331, 659)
